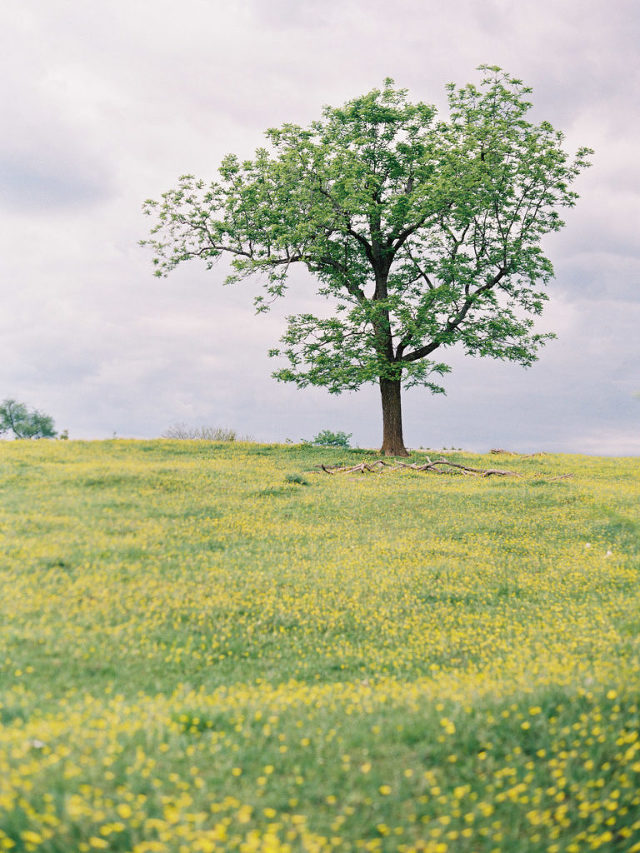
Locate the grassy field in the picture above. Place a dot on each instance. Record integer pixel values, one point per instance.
(213, 647)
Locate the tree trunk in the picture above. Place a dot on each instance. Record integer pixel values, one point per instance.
(392, 440)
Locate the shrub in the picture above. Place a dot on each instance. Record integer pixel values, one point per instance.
(326, 438)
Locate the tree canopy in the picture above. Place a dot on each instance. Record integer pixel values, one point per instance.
(423, 233)
(24, 423)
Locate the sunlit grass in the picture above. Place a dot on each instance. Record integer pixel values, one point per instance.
(214, 647)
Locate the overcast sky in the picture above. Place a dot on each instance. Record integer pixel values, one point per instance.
(105, 103)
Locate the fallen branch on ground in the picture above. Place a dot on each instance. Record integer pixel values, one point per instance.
(440, 466)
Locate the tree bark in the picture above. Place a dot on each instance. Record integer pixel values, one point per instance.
(392, 440)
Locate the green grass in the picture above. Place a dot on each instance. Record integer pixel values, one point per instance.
(213, 646)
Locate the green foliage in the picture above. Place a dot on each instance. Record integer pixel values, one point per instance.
(22, 422)
(327, 438)
(423, 233)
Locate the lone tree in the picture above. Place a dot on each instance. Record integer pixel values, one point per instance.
(422, 233)
(16, 418)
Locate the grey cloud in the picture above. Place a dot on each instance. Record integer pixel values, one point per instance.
(50, 159)
(42, 182)
(599, 274)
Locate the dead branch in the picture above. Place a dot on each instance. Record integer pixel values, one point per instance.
(362, 468)
(439, 466)
(478, 472)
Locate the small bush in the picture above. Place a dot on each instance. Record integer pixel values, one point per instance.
(326, 438)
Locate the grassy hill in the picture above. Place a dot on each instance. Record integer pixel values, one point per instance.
(217, 647)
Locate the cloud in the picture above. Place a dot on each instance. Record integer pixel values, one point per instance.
(43, 181)
(51, 152)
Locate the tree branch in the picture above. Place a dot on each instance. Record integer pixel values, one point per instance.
(426, 350)
(349, 230)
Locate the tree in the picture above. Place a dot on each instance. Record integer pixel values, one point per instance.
(16, 418)
(423, 233)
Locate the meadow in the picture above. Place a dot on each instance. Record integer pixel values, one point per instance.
(213, 646)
